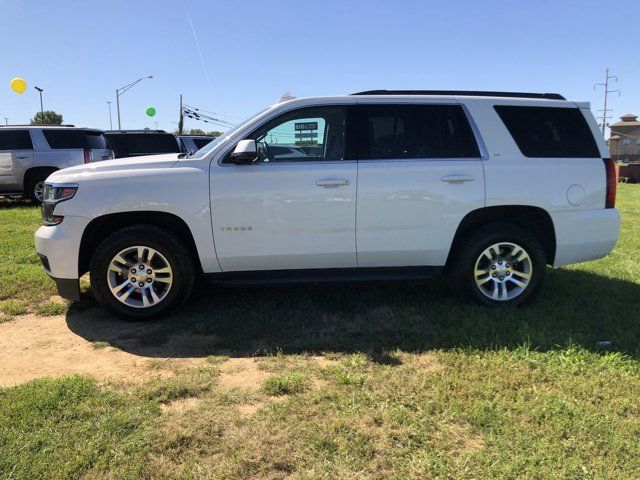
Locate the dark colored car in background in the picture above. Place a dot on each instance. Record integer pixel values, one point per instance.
(135, 143)
(193, 143)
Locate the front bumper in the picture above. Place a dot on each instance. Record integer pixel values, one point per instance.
(58, 248)
(68, 288)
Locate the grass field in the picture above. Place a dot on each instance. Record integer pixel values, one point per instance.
(415, 383)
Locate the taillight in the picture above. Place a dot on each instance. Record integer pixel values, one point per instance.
(87, 155)
(610, 197)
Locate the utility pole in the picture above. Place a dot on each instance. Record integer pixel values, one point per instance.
(6, 120)
(181, 118)
(110, 122)
(605, 110)
(40, 90)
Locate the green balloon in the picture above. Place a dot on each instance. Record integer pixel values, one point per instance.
(151, 111)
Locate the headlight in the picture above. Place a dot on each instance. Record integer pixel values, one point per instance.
(54, 194)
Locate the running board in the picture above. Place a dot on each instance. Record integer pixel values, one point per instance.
(331, 275)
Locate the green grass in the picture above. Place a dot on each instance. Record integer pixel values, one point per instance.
(22, 277)
(416, 383)
(50, 308)
(286, 384)
(68, 427)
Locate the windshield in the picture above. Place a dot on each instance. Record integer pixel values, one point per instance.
(204, 151)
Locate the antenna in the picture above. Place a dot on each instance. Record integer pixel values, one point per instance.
(286, 96)
(606, 110)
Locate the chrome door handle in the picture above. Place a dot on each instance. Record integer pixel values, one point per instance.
(333, 182)
(22, 158)
(457, 178)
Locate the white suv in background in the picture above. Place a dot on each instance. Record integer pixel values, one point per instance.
(29, 154)
(383, 184)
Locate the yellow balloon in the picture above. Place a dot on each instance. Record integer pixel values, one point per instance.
(18, 85)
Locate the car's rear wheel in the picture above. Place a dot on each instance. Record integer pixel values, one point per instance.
(142, 272)
(34, 187)
(500, 265)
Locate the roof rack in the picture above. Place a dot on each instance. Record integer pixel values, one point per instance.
(465, 93)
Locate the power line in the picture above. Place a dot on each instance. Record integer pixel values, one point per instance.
(605, 110)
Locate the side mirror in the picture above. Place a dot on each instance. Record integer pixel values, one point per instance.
(245, 152)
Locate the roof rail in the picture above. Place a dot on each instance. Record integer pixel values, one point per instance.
(146, 130)
(465, 93)
(37, 126)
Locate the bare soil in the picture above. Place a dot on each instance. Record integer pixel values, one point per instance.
(33, 347)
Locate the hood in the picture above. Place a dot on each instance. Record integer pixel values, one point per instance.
(118, 167)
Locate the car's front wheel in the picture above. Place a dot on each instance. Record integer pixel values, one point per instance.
(500, 265)
(142, 272)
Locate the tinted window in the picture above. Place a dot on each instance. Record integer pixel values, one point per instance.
(415, 131)
(74, 139)
(548, 131)
(131, 144)
(201, 142)
(307, 134)
(95, 140)
(15, 140)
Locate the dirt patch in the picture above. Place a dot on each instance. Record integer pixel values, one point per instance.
(33, 347)
(242, 373)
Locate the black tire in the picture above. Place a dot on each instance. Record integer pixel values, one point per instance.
(32, 181)
(473, 246)
(163, 241)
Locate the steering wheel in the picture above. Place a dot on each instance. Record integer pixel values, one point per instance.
(264, 152)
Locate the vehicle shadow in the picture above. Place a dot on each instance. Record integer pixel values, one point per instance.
(577, 308)
(7, 203)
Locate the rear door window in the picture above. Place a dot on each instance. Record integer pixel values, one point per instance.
(549, 132)
(414, 131)
(15, 140)
(63, 139)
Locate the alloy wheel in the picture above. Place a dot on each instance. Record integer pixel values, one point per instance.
(139, 276)
(503, 271)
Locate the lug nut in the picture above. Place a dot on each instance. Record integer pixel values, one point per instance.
(493, 267)
(507, 265)
(149, 280)
(141, 267)
(149, 271)
(494, 275)
(508, 273)
(499, 262)
(133, 270)
(141, 284)
(133, 280)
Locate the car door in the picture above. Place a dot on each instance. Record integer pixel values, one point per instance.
(293, 208)
(419, 173)
(16, 157)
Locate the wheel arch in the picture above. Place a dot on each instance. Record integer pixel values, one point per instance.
(535, 220)
(101, 227)
(35, 170)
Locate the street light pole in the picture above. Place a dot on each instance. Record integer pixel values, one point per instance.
(121, 90)
(40, 90)
(110, 122)
(6, 120)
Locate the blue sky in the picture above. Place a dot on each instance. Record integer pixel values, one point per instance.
(252, 52)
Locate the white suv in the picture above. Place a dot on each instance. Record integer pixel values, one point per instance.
(380, 184)
(29, 154)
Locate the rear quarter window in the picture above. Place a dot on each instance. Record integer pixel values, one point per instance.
(15, 140)
(549, 132)
(60, 139)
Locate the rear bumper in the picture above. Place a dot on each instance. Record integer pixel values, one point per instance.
(585, 235)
